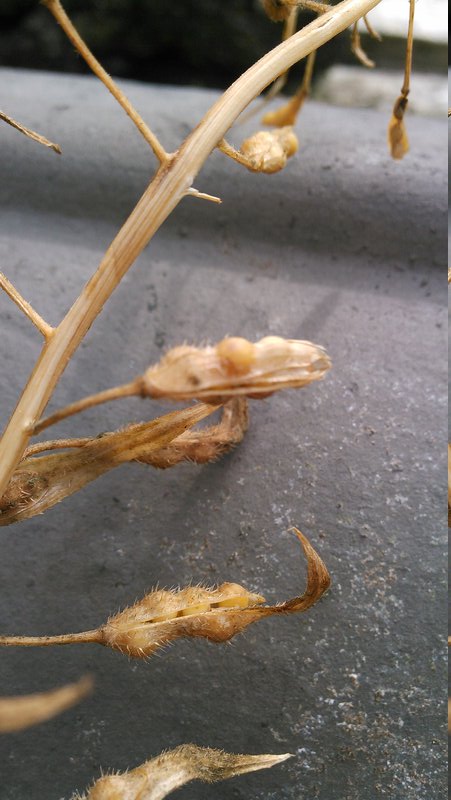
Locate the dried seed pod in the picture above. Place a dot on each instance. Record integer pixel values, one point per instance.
(160, 776)
(164, 616)
(398, 141)
(40, 482)
(268, 151)
(235, 367)
(17, 713)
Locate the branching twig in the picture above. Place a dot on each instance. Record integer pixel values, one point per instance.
(55, 7)
(36, 137)
(160, 198)
(42, 326)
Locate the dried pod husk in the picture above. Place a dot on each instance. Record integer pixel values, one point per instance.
(207, 444)
(163, 616)
(17, 713)
(286, 115)
(160, 776)
(268, 151)
(398, 141)
(40, 482)
(278, 10)
(214, 614)
(235, 367)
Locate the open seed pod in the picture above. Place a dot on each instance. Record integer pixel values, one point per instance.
(160, 776)
(235, 367)
(268, 151)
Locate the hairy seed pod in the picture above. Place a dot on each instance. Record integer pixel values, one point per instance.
(160, 776)
(235, 367)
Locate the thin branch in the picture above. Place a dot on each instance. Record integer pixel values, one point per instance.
(29, 133)
(357, 49)
(55, 8)
(115, 393)
(409, 50)
(42, 326)
(192, 192)
(159, 199)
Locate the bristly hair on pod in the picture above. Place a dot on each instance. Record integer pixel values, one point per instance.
(160, 776)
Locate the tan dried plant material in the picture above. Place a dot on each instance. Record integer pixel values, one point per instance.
(288, 113)
(36, 137)
(216, 614)
(269, 151)
(398, 141)
(17, 713)
(232, 368)
(40, 482)
(160, 776)
(236, 367)
(280, 10)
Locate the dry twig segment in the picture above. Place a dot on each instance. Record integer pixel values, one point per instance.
(55, 7)
(160, 776)
(36, 137)
(17, 713)
(42, 326)
(163, 616)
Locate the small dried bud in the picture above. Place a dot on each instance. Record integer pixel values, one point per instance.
(214, 614)
(160, 776)
(17, 713)
(398, 141)
(278, 10)
(268, 151)
(235, 367)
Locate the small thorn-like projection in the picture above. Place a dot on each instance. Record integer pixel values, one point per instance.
(164, 616)
(40, 482)
(17, 713)
(192, 192)
(43, 327)
(160, 776)
(36, 137)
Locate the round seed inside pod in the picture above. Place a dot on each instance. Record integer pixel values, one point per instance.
(236, 354)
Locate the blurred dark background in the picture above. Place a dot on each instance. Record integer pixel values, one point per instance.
(190, 42)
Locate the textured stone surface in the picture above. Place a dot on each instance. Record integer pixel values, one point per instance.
(346, 248)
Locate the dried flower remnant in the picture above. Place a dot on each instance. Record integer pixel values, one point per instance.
(17, 713)
(397, 135)
(163, 616)
(265, 151)
(398, 142)
(160, 776)
(40, 482)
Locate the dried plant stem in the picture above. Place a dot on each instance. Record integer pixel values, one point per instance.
(169, 185)
(42, 326)
(115, 393)
(47, 641)
(357, 49)
(55, 7)
(409, 50)
(29, 133)
(17, 713)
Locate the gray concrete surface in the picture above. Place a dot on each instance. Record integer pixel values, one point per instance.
(346, 248)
